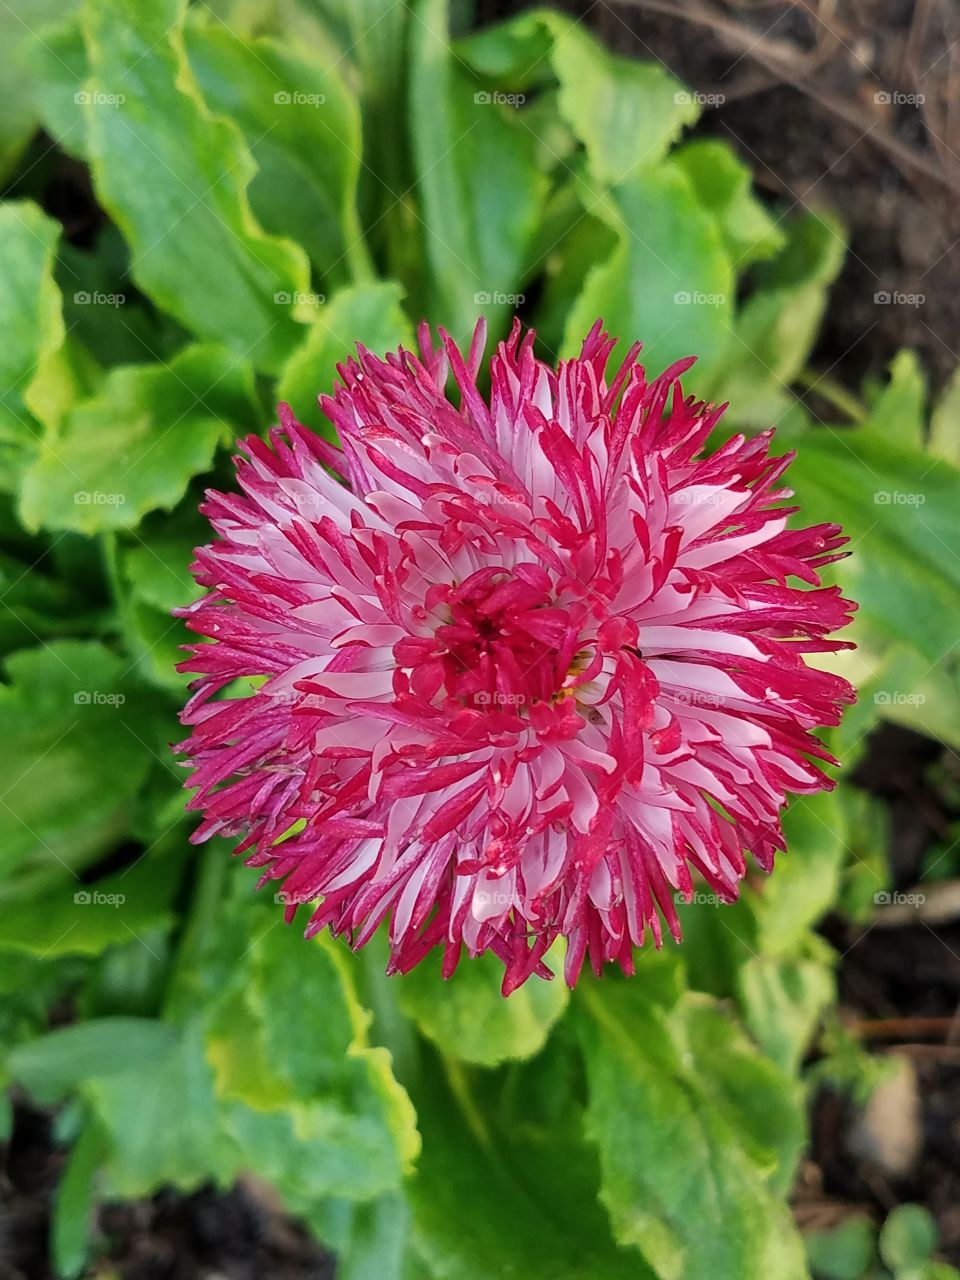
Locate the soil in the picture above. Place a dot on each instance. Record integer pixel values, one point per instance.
(821, 101)
(240, 1234)
(900, 989)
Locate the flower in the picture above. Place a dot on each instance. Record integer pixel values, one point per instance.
(536, 664)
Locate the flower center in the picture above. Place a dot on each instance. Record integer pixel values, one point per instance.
(505, 643)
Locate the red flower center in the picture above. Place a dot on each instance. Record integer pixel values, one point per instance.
(502, 643)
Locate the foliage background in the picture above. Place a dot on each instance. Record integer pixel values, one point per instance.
(268, 185)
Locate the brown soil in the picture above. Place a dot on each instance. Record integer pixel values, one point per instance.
(819, 99)
(240, 1234)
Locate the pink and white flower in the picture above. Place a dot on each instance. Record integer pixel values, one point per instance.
(533, 667)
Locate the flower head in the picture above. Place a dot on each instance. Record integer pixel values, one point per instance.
(533, 666)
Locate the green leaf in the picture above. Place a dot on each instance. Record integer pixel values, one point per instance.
(73, 752)
(514, 54)
(35, 606)
(945, 423)
(718, 940)
(567, 258)
(76, 920)
(369, 40)
(724, 186)
(668, 282)
(174, 178)
(900, 508)
(354, 1131)
(103, 309)
(782, 1002)
(806, 879)
(62, 917)
(155, 642)
(32, 373)
(626, 113)
(695, 1144)
(369, 314)
(303, 128)
(161, 1119)
(490, 1203)
(55, 1064)
(314, 1105)
(762, 1105)
(468, 1018)
(905, 689)
(867, 872)
(74, 1204)
(157, 564)
(137, 444)
(908, 1237)
(479, 192)
(776, 327)
(23, 27)
(843, 1253)
(373, 1244)
(58, 68)
(898, 410)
